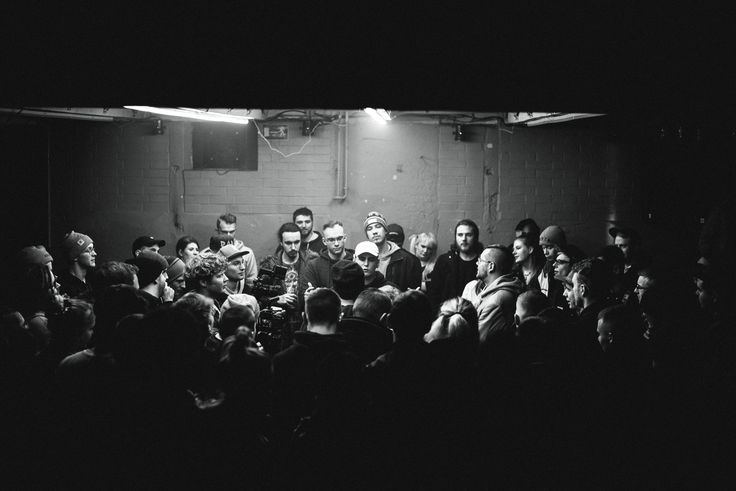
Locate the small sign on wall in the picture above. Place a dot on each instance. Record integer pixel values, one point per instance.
(276, 131)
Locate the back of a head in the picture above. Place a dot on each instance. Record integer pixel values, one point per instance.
(371, 304)
(322, 306)
(174, 337)
(75, 319)
(457, 319)
(348, 279)
(112, 304)
(113, 273)
(234, 317)
(532, 302)
(410, 316)
(243, 370)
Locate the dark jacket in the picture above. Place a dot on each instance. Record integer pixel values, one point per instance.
(74, 287)
(404, 270)
(296, 372)
(448, 279)
(366, 339)
(317, 271)
(316, 245)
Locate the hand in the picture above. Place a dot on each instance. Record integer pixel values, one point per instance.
(287, 299)
(168, 295)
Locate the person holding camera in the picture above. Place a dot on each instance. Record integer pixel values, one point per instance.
(288, 259)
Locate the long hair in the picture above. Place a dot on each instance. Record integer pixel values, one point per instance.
(478, 246)
(536, 258)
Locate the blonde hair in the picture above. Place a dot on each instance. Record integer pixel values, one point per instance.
(457, 319)
(414, 241)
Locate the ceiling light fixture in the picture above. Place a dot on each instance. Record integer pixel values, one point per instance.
(199, 114)
(379, 115)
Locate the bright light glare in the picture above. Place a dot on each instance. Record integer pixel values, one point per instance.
(185, 112)
(374, 114)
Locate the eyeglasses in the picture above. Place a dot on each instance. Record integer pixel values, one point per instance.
(559, 261)
(339, 238)
(639, 287)
(482, 261)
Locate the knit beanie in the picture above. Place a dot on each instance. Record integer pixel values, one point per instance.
(74, 244)
(552, 236)
(176, 268)
(34, 255)
(374, 217)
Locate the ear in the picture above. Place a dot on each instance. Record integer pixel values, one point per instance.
(203, 283)
(583, 289)
(137, 251)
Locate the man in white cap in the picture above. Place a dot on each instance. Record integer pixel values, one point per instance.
(235, 272)
(366, 255)
(397, 265)
(79, 250)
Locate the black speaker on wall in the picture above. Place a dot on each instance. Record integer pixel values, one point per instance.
(225, 146)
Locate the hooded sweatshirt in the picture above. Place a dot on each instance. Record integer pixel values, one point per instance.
(495, 303)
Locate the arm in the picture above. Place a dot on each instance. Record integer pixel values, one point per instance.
(251, 269)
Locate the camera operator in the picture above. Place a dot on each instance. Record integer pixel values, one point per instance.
(288, 260)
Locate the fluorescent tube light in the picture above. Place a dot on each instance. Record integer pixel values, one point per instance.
(560, 118)
(185, 112)
(375, 115)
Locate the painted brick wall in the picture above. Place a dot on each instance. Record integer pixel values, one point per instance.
(116, 182)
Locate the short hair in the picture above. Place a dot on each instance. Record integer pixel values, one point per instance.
(504, 258)
(371, 304)
(593, 273)
(228, 218)
(322, 306)
(112, 273)
(528, 222)
(197, 304)
(331, 224)
(410, 316)
(234, 317)
(304, 211)
(457, 319)
(182, 243)
(287, 227)
(203, 267)
(533, 302)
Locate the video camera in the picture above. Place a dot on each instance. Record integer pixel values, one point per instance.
(270, 329)
(269, 282)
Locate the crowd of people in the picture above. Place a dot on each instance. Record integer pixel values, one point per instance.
(525, 363)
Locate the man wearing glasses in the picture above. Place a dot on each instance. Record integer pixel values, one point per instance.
(317, 271)
(494, 292)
